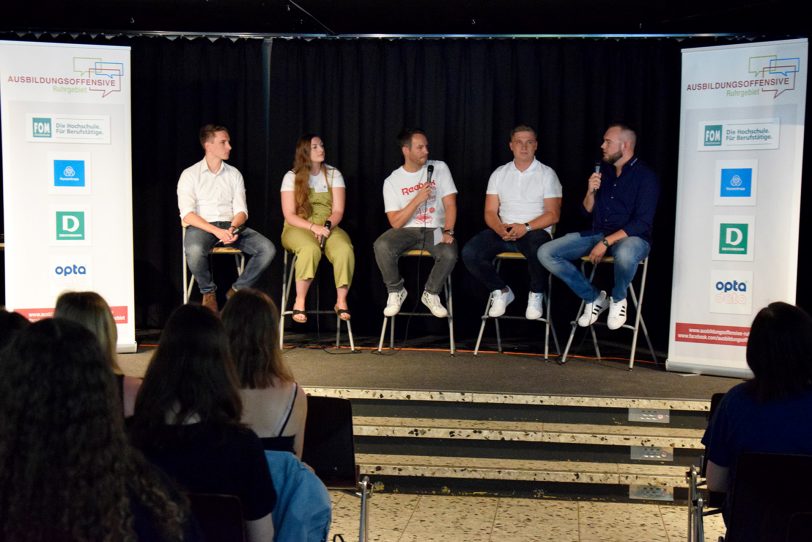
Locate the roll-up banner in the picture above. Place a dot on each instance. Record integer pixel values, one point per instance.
(738, 198)
(67, 177)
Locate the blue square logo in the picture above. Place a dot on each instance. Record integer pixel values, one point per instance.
(736, 183)
(69, 173)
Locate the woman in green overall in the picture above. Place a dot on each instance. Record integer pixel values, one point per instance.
(313, 193)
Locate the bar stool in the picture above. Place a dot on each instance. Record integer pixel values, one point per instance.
(449, 305)
(639, 323)
(288, 271)
(548, 323)
(189, 279)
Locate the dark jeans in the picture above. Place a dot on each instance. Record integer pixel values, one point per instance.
(479, 252)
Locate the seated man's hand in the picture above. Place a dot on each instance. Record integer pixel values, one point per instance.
(225, 236)
(597, 253)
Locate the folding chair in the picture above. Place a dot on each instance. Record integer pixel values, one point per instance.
(639, 323)
(701, 504)
(329, 449)
(548, 323)
(219, 516)
(770, 499)
(452, 348)
(288, 272)
(189, 279)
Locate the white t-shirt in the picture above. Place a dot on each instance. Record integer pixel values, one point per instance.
(400, 187)
(215, 197)
(522, 193)
(317, 182)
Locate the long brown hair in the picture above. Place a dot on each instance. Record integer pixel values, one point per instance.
(67, 470)
(191, 374)
(252, 324)
(301, 169)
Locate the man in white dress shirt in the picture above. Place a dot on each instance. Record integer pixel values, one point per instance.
(211, 200)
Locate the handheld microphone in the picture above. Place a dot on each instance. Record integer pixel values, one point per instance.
(327, 225)
(430, 171)
(597, 170)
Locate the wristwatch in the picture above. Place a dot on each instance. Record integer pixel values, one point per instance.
(528, 226)
(449, 232)
(605, 242)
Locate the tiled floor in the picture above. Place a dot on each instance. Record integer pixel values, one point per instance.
(424, 518)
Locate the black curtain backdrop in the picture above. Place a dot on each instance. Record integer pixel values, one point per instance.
(467, 94)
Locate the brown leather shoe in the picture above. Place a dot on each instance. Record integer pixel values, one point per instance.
(210, 301)
(230, 293)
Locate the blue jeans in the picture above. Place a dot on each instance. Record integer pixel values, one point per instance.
(198, 244)
(395, 241)
(557, 256)
(479, 252)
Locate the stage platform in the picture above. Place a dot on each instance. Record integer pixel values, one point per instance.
(511, 424)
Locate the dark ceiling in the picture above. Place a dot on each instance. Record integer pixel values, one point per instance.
(757, 17)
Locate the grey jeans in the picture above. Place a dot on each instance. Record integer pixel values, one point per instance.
(395, 241)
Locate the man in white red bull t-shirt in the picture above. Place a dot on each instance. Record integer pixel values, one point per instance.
(420, 200)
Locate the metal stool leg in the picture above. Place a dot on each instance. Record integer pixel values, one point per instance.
(450, 302)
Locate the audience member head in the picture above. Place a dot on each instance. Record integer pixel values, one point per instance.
(779, 351)
(92, 311)
(11, 323)
(67, 471)
(191, 376)
(251, 320)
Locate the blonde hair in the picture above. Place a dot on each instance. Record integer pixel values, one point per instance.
(91, 311)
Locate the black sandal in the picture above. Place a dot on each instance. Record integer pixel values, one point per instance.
(341, 312)
(299, 312)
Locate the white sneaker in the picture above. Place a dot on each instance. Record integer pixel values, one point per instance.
(393, 302)
(535, 306)
(432, 301)
(593, 310)
(499, 302)
(617, 314)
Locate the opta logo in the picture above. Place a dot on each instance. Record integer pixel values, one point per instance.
(731, 286)
(70, 269)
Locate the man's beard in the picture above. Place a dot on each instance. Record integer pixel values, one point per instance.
(612, 158)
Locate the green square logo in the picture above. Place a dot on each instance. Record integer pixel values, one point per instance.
(713, 135)
(41, 127)
(70, 225)
(733, 239)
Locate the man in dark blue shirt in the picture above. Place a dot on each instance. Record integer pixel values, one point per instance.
(621, 198)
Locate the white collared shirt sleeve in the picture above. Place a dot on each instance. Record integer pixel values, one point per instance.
(187, 201)
(238, 204)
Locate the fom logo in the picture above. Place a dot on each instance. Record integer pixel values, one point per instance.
(41, 127)
(713, 135)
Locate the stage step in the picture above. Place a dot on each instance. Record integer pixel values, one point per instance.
(665, 437)
(483, 443)
(520, 470)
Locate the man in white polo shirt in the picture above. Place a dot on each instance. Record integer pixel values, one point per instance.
(211, 200)
(522, 202)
